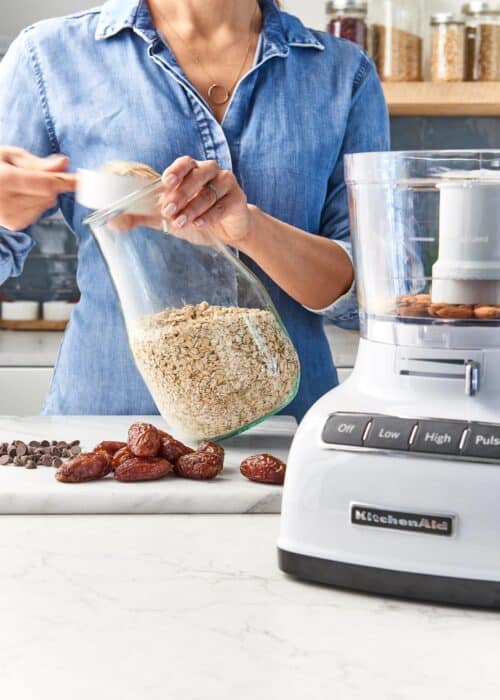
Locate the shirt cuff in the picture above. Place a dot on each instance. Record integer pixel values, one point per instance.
(344, 310)
(15, 246)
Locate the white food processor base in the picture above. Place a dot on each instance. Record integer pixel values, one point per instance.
(393, 480)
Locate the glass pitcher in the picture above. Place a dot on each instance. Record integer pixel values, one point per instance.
(202, 329)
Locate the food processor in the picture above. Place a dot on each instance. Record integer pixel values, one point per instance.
(393, 480)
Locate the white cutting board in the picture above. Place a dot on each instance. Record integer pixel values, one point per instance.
(25, 491)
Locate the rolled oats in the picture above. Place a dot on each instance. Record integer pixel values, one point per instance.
(213, 370)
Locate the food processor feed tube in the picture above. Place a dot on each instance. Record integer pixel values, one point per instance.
(202, 329)
(393, 478)
(468, 268)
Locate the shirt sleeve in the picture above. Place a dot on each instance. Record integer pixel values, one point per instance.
(367, 130)
(24, 123)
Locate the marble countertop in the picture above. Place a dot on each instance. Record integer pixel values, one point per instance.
(194, 608)
(40, 348)
(24, 491)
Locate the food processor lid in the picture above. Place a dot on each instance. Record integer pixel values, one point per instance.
(461, 178)
(422, 168)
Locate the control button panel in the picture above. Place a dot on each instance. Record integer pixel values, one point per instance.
(387, 433)
(346, 429)
(439, 437)
(483, 441)
(414, 436)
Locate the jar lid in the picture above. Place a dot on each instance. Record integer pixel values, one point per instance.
(480, 7)
(445, 18)
(346, 6)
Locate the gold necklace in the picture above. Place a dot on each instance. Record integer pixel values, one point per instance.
(217, 93)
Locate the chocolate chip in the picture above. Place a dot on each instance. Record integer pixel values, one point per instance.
(75, 450)
(34, 443)
(45, 443)
(30, 464)
(46, 461)
(56, 462)
(21, 449)
(66, 454)
(55, 451)
(4, 459)
(75, 442)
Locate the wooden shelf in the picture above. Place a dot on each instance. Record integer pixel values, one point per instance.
(443, 99)
(39, 325)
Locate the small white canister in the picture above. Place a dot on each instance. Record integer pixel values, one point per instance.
(20, 310)
(468, 267)
(57, 310)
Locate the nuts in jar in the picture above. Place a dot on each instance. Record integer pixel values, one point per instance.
(448, 48)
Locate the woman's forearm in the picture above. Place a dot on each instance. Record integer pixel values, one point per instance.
(199, 196)
(313, 270)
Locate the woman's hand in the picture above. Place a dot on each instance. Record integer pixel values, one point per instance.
(30, 185)
(199, 195)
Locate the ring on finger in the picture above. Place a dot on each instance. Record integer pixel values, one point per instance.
(216, 192)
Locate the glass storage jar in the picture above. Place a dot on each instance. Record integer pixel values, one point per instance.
(202, 329)
(396, 39)
(483, 41)
(347, 20)
(448, 48)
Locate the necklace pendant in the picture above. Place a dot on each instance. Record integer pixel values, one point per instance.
(218, 94)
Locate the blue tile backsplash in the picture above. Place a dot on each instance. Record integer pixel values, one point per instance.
(50, 271)
(410, 133)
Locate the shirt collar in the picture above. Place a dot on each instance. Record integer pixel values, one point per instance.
(280, 30)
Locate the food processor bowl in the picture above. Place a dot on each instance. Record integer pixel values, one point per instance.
(426, 237)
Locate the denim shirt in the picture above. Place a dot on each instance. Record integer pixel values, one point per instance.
(103, 85)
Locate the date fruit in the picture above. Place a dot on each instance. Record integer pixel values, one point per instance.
(121, 456)
(85, 467)
(144, 440)
(200, 466)
(110, 447)
(415, 309)
(212, 448)
(487, 313)
(172, 449)
(143, 469)
(452, 311)
(265, 469)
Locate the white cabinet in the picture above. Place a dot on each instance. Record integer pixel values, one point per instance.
(23, 390)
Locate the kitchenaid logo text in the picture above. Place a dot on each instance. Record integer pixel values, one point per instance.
(396, 520)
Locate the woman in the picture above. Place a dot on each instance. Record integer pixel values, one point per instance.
(249, 112)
